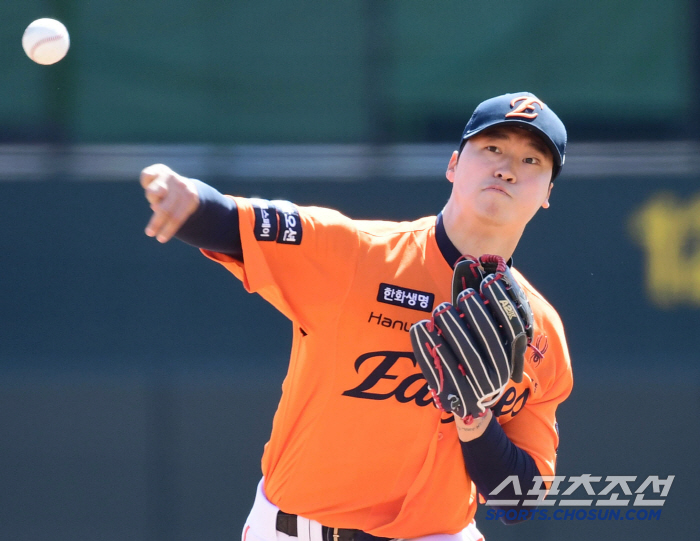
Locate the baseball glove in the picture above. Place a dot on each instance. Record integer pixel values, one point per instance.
(470, 348)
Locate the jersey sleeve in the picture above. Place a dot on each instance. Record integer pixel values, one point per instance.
(534, 429)
(300, 259)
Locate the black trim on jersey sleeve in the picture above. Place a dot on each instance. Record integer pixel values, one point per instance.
(214, 225)
(491, 458)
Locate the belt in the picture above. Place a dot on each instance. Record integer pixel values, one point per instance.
(287, 523)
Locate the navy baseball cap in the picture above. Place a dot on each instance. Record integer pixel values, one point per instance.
(527, 111)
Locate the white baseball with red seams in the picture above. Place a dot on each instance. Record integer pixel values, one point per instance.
(46, 41)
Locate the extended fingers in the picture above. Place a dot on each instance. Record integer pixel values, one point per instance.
(170, 213)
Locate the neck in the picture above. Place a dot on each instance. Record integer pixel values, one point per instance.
(474, 236)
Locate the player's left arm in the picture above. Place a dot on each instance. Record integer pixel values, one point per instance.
(491, 457)
(526, 443)
(469, 350)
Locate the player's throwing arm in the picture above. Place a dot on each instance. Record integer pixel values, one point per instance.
(173, 200)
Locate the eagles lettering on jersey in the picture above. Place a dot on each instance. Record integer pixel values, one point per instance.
(383, 383)
(276, 221)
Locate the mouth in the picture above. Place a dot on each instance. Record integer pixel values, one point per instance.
(496, 188)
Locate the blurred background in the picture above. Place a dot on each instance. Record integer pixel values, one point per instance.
(138, 381)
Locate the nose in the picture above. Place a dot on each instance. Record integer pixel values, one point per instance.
(505, 172)
(508, 176)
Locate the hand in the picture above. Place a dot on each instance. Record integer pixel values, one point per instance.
(173, 200)
(468, 350)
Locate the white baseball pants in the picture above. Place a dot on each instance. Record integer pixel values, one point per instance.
(261, 525)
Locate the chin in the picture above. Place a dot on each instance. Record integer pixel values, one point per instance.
(494, 218)
(493, 211)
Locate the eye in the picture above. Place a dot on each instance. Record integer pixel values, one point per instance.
(493, 148)
(533, 161)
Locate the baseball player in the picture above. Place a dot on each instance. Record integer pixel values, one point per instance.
(358, 450)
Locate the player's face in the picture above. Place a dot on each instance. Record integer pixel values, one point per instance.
(502, 175)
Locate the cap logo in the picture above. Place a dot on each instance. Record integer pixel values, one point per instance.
(526, 104)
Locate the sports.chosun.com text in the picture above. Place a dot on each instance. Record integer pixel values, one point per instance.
(573, 514)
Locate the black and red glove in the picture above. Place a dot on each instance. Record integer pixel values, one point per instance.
(470, 348)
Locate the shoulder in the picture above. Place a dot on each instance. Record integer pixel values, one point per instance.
(263, 214)
(331, 216)
(371, 231)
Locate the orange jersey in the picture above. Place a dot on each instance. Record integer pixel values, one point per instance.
(356, 441)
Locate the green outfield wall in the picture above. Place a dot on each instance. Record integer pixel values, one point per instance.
(345, 71)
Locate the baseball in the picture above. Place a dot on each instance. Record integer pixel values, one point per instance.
(46, 41)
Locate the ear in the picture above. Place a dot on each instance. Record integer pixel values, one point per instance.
(545, 204)
(450, 173)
